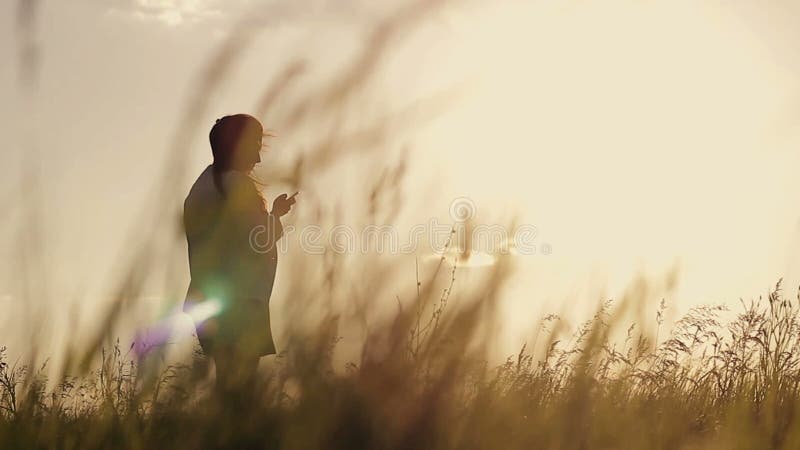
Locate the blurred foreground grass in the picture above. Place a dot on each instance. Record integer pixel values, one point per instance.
(421, 384)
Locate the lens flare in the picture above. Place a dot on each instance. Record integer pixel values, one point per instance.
(205, 310)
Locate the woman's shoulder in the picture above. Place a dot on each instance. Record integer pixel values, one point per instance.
(240, 188)
(236, 181)
(202, 189)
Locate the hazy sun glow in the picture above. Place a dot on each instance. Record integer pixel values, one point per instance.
(635, 136)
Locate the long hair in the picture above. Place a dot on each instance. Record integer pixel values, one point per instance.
(226, 138)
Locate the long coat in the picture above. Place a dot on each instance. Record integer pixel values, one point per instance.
(233, 257)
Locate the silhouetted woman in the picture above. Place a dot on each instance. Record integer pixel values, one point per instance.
(232, 253)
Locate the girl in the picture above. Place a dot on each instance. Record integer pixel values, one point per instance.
(232, 253)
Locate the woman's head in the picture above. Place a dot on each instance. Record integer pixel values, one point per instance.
(236, 142)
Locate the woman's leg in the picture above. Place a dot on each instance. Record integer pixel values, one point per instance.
(236, 374)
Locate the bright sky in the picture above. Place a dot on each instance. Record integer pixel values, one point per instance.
(636, 136)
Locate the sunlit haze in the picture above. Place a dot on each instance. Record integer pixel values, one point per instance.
(638, 138)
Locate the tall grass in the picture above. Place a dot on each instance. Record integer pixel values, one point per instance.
(421, 377)
(420, 384)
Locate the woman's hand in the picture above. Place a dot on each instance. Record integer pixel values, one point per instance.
(282, 204)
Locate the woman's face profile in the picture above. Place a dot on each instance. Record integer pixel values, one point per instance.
(248, 150)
